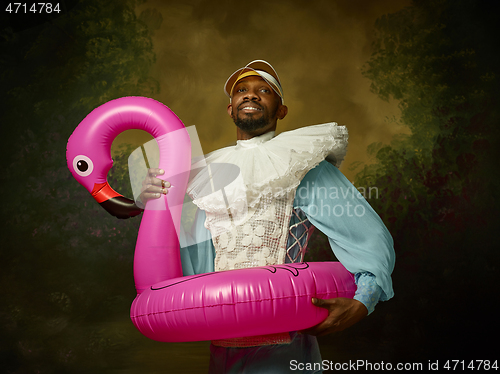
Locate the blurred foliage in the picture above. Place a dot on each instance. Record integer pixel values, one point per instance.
(437, 187)
(66, 264)
(437, 59)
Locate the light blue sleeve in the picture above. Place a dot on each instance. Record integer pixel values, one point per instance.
(197, 249)
(357, 235)
(368, 291)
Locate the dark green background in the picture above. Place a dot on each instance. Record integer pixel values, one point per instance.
(66, 266)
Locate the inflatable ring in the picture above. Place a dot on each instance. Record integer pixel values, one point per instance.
(170, 307)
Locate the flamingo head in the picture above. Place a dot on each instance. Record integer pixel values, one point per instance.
(88, 155)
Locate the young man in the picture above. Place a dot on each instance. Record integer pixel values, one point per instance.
(286, 185)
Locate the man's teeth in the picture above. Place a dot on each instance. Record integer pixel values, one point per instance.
(250, 108)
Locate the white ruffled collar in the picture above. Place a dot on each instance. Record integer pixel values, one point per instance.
(263, 165)
(255, 141)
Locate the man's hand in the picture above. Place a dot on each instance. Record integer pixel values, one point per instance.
(153, 187)
(342, 313)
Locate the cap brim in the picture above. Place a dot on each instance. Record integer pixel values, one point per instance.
(254, 65)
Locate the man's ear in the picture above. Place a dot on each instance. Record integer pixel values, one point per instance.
(282, 111)
(230, 110)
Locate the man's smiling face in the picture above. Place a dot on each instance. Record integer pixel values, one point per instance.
(255, 107)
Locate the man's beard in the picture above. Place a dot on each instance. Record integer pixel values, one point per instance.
(250, 124)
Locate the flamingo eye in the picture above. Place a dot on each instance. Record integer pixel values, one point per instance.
(83, 165)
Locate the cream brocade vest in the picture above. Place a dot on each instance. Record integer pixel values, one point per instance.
(247, 191)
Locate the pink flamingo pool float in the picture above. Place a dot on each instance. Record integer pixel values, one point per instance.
(171, 307)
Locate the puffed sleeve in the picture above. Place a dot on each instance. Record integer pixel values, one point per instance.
(197, 249)
(357, 235)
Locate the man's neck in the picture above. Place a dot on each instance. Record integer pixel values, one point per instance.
(243, 135)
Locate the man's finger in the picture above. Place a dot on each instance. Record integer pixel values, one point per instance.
(317, 302)
(321, 303)
(151, 195)
(155, 172)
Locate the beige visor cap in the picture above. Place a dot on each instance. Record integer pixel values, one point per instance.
(262, 68)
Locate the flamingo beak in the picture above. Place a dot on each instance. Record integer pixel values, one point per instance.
(114, 203)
